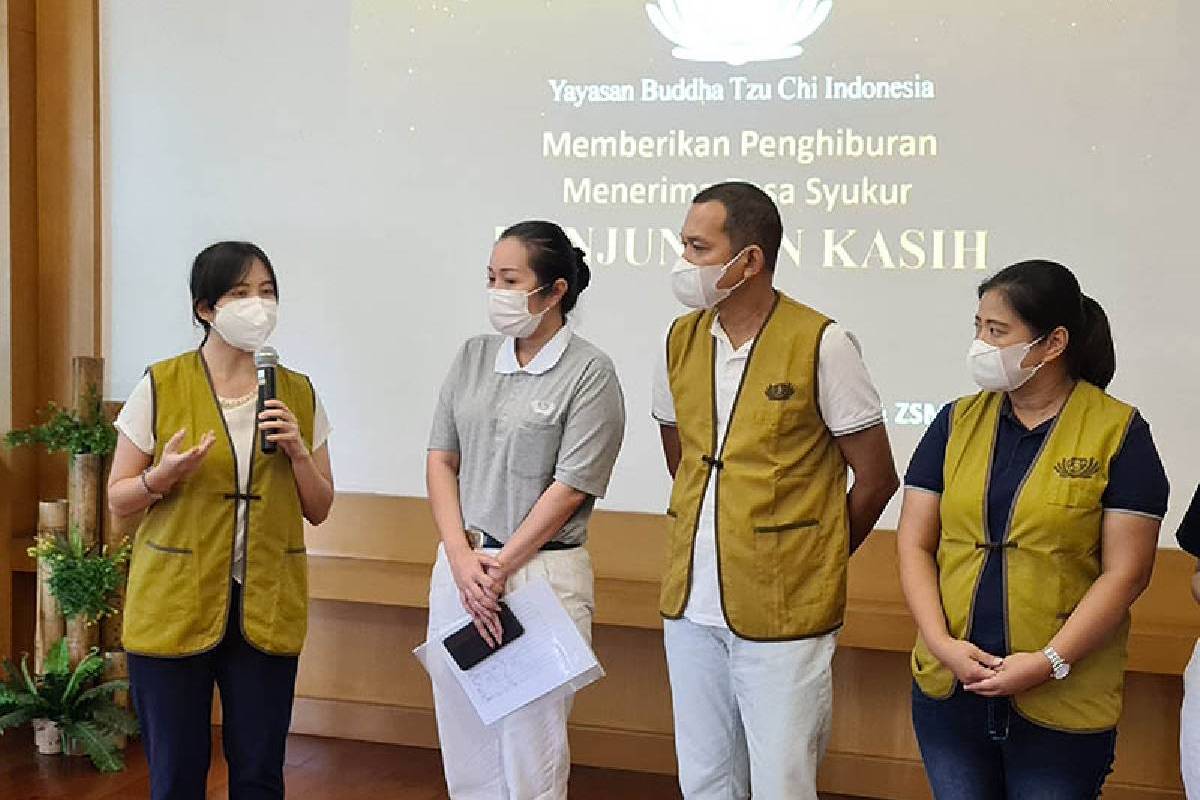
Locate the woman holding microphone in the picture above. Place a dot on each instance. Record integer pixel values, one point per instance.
(1029, 527)
(217, 590)
(526, 432)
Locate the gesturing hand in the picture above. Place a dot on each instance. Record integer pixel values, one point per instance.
(178, 465)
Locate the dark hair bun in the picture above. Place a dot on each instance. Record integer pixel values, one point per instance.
(1046, 295)
(553, 257)
(583, 273)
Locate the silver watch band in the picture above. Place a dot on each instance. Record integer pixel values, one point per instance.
(1058, 667)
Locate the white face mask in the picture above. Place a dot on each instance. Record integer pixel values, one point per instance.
(998, 369)
(509, 312)
(246, 323)
(695, 285)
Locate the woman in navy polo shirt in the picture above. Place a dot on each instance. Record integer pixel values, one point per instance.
(1029, 526)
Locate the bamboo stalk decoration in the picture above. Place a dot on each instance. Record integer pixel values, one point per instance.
(83, 490)
(52, 521)
(84, 485)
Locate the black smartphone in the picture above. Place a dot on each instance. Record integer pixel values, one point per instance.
(467, 646)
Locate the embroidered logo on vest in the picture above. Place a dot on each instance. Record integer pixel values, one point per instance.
(1077, 468)
(780, 391)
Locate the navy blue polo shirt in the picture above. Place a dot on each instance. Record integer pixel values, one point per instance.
(1189, 529)
(1137, 484)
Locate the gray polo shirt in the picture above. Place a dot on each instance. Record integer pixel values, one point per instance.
(517, 430)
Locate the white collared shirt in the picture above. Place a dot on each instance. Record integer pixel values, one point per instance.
(546, 359)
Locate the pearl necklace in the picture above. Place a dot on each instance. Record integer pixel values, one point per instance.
(228, 403)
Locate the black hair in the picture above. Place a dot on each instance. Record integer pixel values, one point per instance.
(220, 267)
(751, 217)
(552, 256)
(1046, 295)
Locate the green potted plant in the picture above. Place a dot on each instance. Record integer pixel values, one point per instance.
(85, 580)
(65, 431)
(69, 706)
(87, 437)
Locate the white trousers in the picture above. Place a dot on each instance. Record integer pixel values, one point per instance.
(751, 718)
(1189, 727)
(525, 755)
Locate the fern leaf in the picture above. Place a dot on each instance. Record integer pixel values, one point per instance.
(98, 746)
(58, 660)
(15, 719)
(111, 719)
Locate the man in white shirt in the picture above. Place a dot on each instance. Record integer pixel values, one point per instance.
(763, 524)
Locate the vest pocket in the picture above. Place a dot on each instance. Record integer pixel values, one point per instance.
(162, 594)
(183, 551)
(786, 424)
(788, 526)
(1083, 493)
(293, 595)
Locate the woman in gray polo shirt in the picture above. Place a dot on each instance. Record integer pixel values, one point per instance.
(527, 428)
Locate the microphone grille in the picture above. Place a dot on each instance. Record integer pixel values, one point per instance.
(266, 356)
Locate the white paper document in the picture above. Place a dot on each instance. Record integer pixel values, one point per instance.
(548, 656)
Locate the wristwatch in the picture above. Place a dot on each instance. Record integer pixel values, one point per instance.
(1058, 668)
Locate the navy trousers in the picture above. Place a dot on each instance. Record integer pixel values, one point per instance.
(978, 748)
(173, 698)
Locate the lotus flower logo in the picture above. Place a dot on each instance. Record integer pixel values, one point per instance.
(738, 31)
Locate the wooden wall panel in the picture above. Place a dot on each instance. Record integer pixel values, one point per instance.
(358, 680)
(378, 551)
(54, 269)
(6, 477)
(18, 336)
(70, 296)
(24, 612)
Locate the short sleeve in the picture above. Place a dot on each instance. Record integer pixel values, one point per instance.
(321, 426)
(925, 470)
(1189, 530)
(136, 419)
(444, 432)
(1137, 482)
(593, 431)
(848, 399)
(662, 403)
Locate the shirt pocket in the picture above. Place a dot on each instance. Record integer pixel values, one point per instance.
(535, 449)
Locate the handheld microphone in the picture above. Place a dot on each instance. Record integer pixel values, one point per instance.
(265, 361)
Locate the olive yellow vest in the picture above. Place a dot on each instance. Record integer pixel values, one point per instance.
(782, 529)
(177, 600)
(1051, 550)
